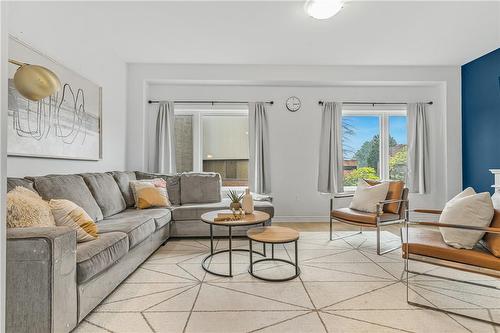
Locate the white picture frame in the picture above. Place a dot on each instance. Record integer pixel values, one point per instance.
(66, 125)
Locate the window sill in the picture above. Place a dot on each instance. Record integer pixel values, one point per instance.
(226, 189)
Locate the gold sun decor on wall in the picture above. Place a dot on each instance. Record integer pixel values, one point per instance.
(50, 115)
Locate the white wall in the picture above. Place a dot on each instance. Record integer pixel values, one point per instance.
(57, 30)
(3, 159)
(294, 136)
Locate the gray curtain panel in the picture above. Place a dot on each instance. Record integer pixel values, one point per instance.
(165, 139)
(259, 170)
(331, 155)
(418, 149)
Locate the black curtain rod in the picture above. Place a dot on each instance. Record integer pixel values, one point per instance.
(209, 102)
(371, 103)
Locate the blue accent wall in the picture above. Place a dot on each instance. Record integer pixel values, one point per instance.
(481, 120)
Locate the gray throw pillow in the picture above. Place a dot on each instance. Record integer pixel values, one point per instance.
(203, 187)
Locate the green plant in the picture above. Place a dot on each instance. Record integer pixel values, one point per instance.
(235, 196)
(351, 178)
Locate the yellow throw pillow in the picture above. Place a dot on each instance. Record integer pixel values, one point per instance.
(26, 208)
(67, 213)
(150, 193)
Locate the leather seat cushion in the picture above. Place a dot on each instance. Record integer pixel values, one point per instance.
(161, 216)
(430, 243)
(95, 256)
(137, 227)
(357, 216)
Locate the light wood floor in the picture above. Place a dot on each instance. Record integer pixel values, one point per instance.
(325, 226)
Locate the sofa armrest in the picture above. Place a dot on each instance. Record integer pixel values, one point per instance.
(41, 279)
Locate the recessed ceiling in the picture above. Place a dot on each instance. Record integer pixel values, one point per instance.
(268, 32)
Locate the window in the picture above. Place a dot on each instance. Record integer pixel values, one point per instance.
(374, 143)
(214, 140)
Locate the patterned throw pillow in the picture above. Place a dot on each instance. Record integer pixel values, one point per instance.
(67, 213)
(26, 208)
(150, 193)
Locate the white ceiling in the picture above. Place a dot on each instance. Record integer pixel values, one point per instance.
(267, 32)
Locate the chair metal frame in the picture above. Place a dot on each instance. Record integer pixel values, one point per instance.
(379, 224)
(446, 263)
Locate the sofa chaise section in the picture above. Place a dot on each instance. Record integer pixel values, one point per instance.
(186, 219)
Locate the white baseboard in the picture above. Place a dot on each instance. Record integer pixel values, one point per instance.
(301, 219)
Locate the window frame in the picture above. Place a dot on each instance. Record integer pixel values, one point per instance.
(384, 132)
(198, 114)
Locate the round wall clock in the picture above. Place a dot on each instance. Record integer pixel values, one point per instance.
(293, 104)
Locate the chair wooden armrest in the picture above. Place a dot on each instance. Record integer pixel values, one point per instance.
(428, 211)
(455, 226)
(343, 195)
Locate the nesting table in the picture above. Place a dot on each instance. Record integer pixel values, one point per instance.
(255, 218)
(273, 235)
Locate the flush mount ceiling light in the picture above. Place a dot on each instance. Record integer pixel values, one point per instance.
(323, 9)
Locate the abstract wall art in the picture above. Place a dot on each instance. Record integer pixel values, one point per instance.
(65, 125)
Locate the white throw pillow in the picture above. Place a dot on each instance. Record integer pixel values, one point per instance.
(367, 197)
(467, 208)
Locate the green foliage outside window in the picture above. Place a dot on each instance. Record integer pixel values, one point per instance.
(368, 161)
(398, 164)
(351, 177)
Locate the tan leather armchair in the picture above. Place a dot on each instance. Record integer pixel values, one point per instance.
(425, 244)
(370, 220)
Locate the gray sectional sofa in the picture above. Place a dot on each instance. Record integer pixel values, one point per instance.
(53, 282)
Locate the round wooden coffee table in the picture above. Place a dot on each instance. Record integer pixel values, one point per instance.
(273, 235)
(249, 219)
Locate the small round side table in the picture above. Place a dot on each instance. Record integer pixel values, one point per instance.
(255, 218)
(273, 235)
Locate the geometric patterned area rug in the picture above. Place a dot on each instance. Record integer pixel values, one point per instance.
(344, 286)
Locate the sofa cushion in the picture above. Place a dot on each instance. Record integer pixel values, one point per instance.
(430, 243)
(200, 187)
(137, 227)
(161, 216)
(96, 256)
(357, 216)
(123, 179)
(106, 192)
(173, 184)
(13, 182)
(69, 187)
(194, 211)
